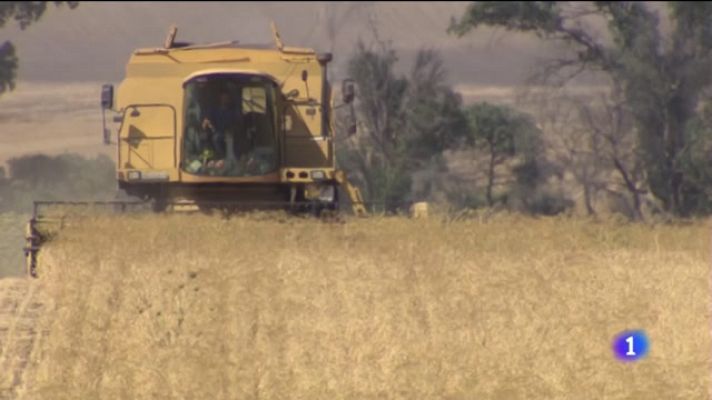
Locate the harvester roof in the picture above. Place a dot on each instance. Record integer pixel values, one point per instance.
(215, 52)
(182, 59)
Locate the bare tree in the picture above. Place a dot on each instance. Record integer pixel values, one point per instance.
(569, 143)
(611, 128)
(593, 136)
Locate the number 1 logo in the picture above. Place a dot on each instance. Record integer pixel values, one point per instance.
(631, 345)
(630, 352)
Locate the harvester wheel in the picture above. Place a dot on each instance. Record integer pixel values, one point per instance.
(159, 205)
(315, 208)
(320, 208)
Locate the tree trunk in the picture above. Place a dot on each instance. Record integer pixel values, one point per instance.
(638, 214)
(490, 177)
(680, 110)
(587, 200)
(676, 195)
(631, 187)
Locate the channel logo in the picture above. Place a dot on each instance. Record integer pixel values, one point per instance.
(631, 345)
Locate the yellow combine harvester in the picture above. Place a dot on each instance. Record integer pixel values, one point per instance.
(223, 125)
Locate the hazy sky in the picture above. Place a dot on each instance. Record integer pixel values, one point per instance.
(93, 42)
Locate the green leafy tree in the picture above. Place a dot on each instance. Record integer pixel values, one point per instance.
(434, 122)
(376, 152)
(695, 158)
(662, 75)
(434, 118)
(505, 134)
(405, 122)
(24, 13)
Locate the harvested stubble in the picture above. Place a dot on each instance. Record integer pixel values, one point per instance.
(510, 307)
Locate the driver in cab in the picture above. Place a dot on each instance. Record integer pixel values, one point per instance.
(222, 121)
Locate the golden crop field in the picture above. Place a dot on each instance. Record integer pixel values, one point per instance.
(504, 308)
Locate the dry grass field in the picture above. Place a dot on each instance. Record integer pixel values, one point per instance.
(21, 305)
(503, 308)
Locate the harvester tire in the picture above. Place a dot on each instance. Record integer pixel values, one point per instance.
(159, 205)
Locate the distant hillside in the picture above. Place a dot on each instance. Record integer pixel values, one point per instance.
(51, 118)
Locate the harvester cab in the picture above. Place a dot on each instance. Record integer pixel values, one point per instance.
(224, 125)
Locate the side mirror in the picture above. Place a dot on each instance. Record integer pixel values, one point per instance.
(107, 96)
(294, 93)
(347, 91)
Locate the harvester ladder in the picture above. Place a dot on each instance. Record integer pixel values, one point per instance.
(357, 203)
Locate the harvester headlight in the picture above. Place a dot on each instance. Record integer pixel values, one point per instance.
(148, 176)
(318, 175)
(155, 176)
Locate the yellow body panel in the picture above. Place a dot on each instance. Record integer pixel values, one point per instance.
(147, 141)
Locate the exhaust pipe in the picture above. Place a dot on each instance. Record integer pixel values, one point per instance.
(324, 59)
